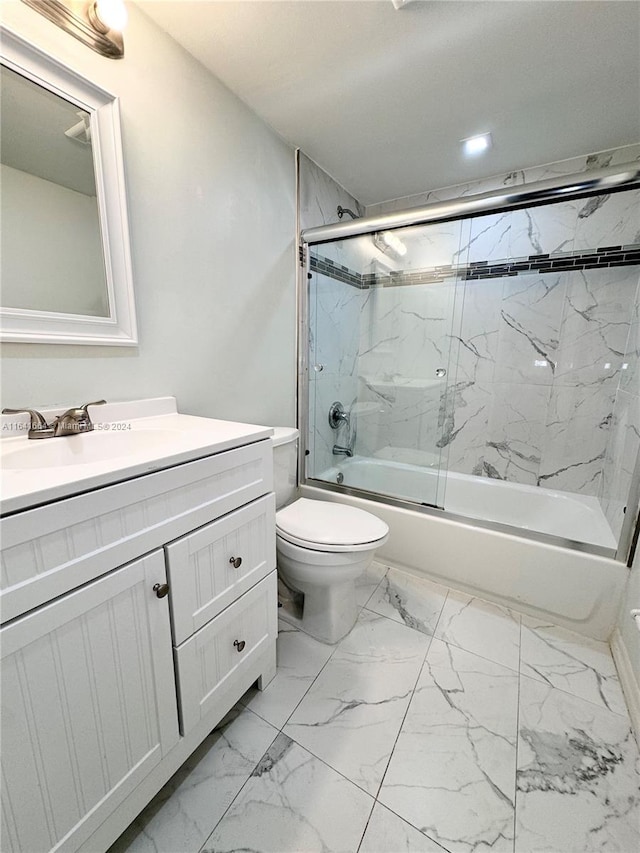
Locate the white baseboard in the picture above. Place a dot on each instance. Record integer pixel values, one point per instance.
(628, 680)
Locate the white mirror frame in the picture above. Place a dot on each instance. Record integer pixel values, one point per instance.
(119, 328)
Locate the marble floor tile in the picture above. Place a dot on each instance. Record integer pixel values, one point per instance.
(388, 833)
(299, 658)
(577, 783)
(352, 714)
(293, 803)
(368, 582)
(576, 664)
(181, 816)
(481, 627)
(452, 772)
(416, 602)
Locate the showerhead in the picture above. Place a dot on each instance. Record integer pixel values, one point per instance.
(342, 210)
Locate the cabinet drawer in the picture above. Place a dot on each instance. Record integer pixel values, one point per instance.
(52, 549)
(202, 575)
(213, 663)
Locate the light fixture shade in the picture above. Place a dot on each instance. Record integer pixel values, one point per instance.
(80, 19)
(112, 13)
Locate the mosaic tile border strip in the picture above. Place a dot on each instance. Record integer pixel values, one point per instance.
(607, 256)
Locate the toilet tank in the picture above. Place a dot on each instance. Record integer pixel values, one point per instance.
(285, 464)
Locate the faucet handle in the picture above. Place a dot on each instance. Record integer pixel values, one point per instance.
(95, 403)
(38, 427)
(75, 420)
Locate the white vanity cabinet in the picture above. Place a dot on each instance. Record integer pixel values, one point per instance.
(88, 706)
(109, 682)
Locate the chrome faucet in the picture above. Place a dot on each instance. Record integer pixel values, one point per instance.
(338, 417)
(72, 422)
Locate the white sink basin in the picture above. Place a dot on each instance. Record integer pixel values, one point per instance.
(88, 448)
(130, 440)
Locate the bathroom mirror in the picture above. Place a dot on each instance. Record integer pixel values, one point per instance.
(65, 262)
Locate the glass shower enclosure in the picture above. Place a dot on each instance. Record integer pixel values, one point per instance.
(483, 366)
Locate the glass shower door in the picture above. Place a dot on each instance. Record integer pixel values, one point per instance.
(382, 310)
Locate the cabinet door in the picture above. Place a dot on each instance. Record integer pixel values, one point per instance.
(88, 706)
(212, 567)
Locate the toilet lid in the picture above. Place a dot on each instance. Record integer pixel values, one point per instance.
(329, 525)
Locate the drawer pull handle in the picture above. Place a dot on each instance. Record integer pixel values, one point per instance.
(239, 644)
(236, 562)
(161, 589)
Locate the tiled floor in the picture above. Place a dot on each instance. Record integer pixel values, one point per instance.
(442, 722)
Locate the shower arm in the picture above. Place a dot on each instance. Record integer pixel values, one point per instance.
(340, 210)
(569, 187)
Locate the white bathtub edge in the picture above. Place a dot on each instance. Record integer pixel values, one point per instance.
(576, 590)
(630, 686)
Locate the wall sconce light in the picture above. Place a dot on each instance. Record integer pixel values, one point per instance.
(97, 23)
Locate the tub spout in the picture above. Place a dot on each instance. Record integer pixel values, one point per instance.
(338, 450)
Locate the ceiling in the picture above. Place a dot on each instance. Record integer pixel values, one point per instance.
(32, 135)
(380, 97)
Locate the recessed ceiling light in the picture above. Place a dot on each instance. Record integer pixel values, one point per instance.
(474, 145)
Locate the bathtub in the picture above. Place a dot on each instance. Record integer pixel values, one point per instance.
(579, 590)
(562, 514)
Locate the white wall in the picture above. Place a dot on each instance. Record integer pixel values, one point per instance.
(212, 209)
(51, 249)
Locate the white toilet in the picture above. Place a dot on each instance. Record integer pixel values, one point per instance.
(322, 548)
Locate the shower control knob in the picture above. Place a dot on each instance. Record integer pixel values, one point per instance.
(236, 562)
(440, 372)
(239, 644)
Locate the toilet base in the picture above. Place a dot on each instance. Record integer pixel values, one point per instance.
(328, 613)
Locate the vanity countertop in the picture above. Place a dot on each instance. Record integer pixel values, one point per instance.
(129, 440)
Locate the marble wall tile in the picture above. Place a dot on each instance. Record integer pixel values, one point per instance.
(516, 431)
(573, 663)
(335, 312)
(577, 783)
(326, 388)
(623, 446)
(452, 773)
(406, 330)
(595, 325)
(608, 220)
(573, 165)
(499, 340)
(320, 196)
(351, 716)
(529, 332)
(292, 803)
(543, 230)
(475, 334)
(576, 435)
(433, 245)
(630, 374)
(487, 239)
(621, 458)
(464, 424)
(181, 816)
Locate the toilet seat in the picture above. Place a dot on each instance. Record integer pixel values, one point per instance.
(330, 527)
